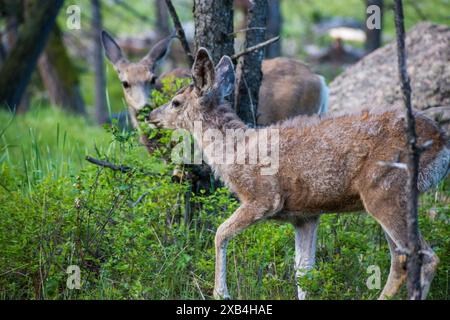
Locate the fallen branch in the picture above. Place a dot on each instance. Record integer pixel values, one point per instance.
(139, 199)
(109, 165)
(254, 48)
(180, 31)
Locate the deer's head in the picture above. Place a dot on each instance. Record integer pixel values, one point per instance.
(199, 100)
(138, 78)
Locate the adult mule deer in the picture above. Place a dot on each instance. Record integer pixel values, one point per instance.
(289, 87)
(336, 164)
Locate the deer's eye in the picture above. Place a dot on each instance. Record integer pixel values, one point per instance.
(176, 103)
(125, 84)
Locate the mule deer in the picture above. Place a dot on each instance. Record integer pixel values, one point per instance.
(139, 78)
(289, 87)
(335, 164)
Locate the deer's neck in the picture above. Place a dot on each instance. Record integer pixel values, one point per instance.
(218, 135)
(133, 117)
(224, 119)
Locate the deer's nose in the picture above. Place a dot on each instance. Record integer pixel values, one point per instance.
(151, 117)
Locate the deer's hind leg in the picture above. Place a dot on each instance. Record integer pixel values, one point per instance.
(390, 211)
(305, 249)
(397, 272)
(430, 263)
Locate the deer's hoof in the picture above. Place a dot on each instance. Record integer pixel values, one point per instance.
(221, 296)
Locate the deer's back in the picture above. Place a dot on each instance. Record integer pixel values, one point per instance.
(289, 88)
(326, 165)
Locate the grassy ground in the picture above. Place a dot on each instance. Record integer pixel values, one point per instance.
(47, 142)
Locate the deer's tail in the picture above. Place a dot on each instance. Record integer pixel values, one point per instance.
(324, 92)
(435, 171)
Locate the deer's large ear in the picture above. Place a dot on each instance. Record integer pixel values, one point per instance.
(158, 52)
(225, 77)
(203, 72)
(112, 49)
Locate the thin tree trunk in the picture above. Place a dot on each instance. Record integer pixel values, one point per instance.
(214, 27)
(101, 110)
(2, 53)
(180, 31)
(13, 21)
(213, 31)
(373, 36)
(414, 262)
(21, 61)
(162, 18)
(59, 75)
(250, 64)
(274, 26)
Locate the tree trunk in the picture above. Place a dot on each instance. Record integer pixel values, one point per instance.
(274, 26)
(2, 54)
(373, 36)
(59, 75)
(214, 27)
(250, 75)
(213, 31)
(101, 109)
(162, 18)
(21, 61)
(414, 262)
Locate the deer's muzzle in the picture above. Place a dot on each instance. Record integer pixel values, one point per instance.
(153, 117)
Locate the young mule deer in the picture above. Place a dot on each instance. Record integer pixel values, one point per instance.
(337, 164)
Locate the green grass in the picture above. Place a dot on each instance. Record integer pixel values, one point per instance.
(48, 142)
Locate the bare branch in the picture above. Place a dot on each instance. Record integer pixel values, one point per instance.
(414, 258)
(180, 31)
(257, 47)
(109, 165)
(139, 199)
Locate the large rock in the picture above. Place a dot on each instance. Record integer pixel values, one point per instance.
(373, 82)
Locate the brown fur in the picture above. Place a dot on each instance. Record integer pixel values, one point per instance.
(289, 88)
(335, 164)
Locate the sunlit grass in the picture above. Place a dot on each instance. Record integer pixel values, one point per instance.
(47, 141)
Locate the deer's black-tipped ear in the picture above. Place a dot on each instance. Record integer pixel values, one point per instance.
(158, 52)
(203, 72)
(225, 77)
(112, 49)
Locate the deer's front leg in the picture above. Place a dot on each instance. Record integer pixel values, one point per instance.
(243, 217)
(305, 250)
